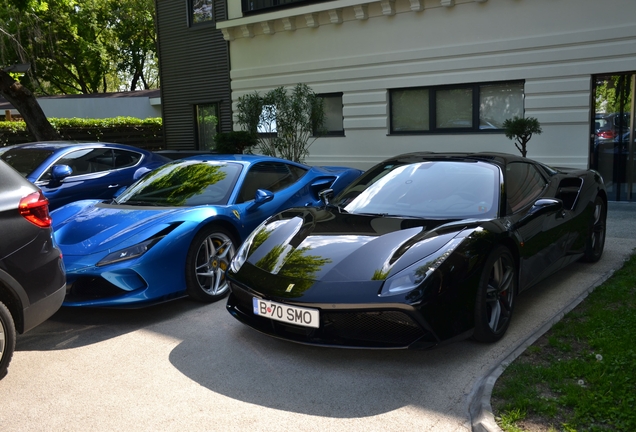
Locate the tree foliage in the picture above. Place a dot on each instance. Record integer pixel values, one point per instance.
(80, 46)
(285, 120)
(520, 130)
(611, 95)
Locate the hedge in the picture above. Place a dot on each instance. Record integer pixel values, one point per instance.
(146, 133)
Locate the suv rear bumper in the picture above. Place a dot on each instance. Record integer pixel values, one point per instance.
(37, 313)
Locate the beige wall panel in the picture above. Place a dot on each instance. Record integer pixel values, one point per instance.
(554, 46)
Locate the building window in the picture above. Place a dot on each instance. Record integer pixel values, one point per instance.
(207, 121)
(201, 11)
(261, 6)
(455, 109)
(333, 125)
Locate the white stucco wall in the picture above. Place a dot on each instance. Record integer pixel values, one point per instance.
(362, 50)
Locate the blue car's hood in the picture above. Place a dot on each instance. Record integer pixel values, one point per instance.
(88, 227)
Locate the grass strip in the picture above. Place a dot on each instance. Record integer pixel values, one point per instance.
(579, 376)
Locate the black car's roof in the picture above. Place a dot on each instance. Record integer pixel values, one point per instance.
(492, 157)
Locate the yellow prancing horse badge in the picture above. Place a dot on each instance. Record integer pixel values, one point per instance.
(237, 214)
(289, 288)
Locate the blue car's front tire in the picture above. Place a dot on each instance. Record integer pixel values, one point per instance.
(209, 256)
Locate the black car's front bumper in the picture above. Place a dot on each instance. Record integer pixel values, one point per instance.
(383, 326)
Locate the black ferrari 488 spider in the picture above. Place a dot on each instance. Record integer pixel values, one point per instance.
(423, 248)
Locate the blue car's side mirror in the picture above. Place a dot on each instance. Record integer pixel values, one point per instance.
(261, 197)
(60, 172)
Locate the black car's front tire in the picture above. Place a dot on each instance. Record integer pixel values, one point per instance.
(495, 296)
(595, 242)
(7, 339)
(209, 256)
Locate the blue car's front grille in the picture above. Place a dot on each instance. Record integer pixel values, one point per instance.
(91, 288)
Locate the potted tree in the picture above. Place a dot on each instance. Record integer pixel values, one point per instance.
(520, 130)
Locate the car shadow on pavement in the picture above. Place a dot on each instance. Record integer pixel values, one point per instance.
(242, 364)
(76, 327)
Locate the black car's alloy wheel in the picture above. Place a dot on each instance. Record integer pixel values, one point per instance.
(208, 257)
(596, 237)
(7, 339)
(495, 296)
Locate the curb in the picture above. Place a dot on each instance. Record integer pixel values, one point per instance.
(479, 408)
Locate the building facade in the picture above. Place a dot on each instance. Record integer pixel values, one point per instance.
(194, 68)
(442, 75)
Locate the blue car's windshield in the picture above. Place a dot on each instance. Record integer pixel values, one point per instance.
(184, 183)
(25, 161)
(433, 189)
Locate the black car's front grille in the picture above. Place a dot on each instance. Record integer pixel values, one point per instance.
(391, 328)
(91, 288)
(364, 328)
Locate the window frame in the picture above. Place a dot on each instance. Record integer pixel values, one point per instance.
(275, 5)
(331, 133)
(197, 128)
(432, 106)
(190, 15)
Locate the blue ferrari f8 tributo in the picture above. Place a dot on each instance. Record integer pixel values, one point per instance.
(174, 232)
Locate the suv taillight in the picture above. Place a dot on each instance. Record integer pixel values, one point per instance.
(35, 208)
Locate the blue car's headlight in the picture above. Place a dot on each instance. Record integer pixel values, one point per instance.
(412, 276)
(129, 253)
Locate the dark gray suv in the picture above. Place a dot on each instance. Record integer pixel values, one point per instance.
(32, 278)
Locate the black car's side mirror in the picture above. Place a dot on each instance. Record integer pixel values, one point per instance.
(545, 206)
(542, 206)
(325, 196)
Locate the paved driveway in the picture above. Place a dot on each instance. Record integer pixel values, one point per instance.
(184, 366)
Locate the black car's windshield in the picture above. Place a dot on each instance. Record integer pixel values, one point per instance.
(184, 184)
(431, 189)
(25, 161)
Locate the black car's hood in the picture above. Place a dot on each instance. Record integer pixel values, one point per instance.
(326, 245)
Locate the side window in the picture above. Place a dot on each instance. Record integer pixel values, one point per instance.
(272, 176)
(124, 158)
(85, 161)
(524, 184)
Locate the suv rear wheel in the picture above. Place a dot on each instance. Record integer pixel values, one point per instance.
(7, 339)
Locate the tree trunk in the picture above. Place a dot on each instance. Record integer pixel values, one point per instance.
(24, 101)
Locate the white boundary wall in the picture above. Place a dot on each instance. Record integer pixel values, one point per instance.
(363, 48)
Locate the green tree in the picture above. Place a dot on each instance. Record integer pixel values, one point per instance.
(285, 120)
(135, 54)
(520, 130)
(24, 101)
(79, 46)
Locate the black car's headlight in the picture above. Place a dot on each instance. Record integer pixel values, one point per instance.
(412, 276)
(129, 253)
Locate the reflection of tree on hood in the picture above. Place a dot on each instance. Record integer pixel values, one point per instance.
(259, 239)
(294, 264)
(183, 182)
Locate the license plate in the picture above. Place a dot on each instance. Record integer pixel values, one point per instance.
(285, 313)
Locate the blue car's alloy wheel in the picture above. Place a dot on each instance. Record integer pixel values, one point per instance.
(495, 296)
(209, 257)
